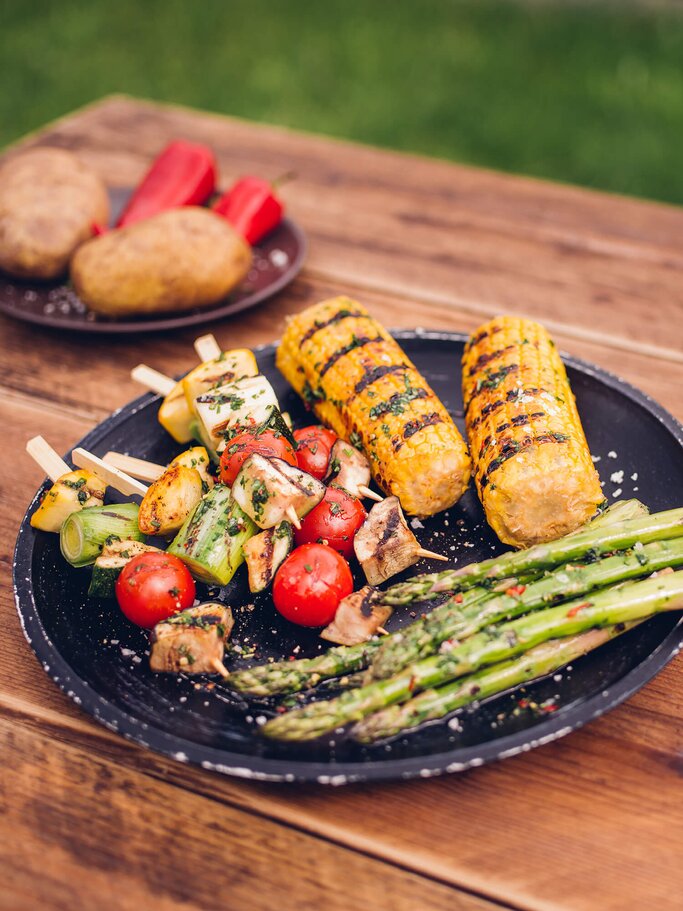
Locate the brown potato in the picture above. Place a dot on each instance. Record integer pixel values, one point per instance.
(49, 200)
(169, 500)
(177, 260)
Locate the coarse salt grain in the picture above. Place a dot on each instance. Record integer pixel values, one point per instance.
(617, 492)
(611, 454)
(617, 477)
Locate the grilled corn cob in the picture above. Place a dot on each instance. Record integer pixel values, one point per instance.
(361, 384)
(532, 466)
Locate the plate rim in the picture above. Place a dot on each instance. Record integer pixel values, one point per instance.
(258, 768)
(169, 322)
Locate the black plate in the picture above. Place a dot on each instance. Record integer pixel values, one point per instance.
(99, 660)
(277, 260)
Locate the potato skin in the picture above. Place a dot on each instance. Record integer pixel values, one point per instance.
(178, 260)
(49, 200)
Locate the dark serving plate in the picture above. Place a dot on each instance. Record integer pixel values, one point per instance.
(277, 261)
(99, 660)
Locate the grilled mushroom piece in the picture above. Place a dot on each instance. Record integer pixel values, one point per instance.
(384, 544)
(349, 469)
(357, 618)
(271, 490)
(192, 641)
(265, 552)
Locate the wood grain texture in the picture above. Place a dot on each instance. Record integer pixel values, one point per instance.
(173, 848)
(590, 823)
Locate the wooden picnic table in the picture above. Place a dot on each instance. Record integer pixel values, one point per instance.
(593, 821)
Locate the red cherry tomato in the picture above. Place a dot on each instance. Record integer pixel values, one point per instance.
(241, 446)
(310, 584)
(152, 587)
(334, 521)
(313, 449)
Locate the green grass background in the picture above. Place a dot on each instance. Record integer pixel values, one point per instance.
(589, 94)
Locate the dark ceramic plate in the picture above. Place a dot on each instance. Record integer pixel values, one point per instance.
(277, 260)
(99, 659)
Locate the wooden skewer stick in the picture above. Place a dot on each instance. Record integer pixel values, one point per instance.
(290, 512)
(153, 380)
(207, 348)
(369, 494)
(136, 468)
(119, 480)
(429, 554)
(219, 667)
(52, 464)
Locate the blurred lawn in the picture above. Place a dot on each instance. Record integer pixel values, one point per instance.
(589, 94)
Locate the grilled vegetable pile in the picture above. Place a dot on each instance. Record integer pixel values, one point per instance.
(289, 503)
(361, 384)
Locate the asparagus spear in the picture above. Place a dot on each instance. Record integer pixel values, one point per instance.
(457, 619)
(436, 703)
(581, 546)
(294, 676)
(617, 512)
(623, 604)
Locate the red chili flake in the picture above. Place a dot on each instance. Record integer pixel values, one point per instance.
(281, 710)
(523, 703)
(572, 612)
(515, 590)
(291, 658)
(411, 685)
(458, 599)
(550, 707)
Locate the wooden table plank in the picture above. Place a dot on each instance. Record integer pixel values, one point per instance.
(66, 803)
(591, 822)
(97, 392)
(432, 230)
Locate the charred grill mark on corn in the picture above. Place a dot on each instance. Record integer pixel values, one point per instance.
(355, 342)
(489, 356)
(318, 325)
(533, 469)
(373, 374)
(359, 382)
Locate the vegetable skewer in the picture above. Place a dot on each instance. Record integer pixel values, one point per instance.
(154, 380)
(454, 620)
(70, 492)
(117, 479)
(436, 703)
(136, 468)
(44, 455)
(634, 601)
(207, 348)
(581, 545)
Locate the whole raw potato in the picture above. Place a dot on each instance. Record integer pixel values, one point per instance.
(49, 201)
(177, 260)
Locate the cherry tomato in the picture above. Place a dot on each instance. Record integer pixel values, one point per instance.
(310, 584)
(241, 446)
(152, 587)
(313, 449)
(334, 521)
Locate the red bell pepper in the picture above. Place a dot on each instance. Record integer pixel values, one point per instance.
(184, 174)
(251, 207)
